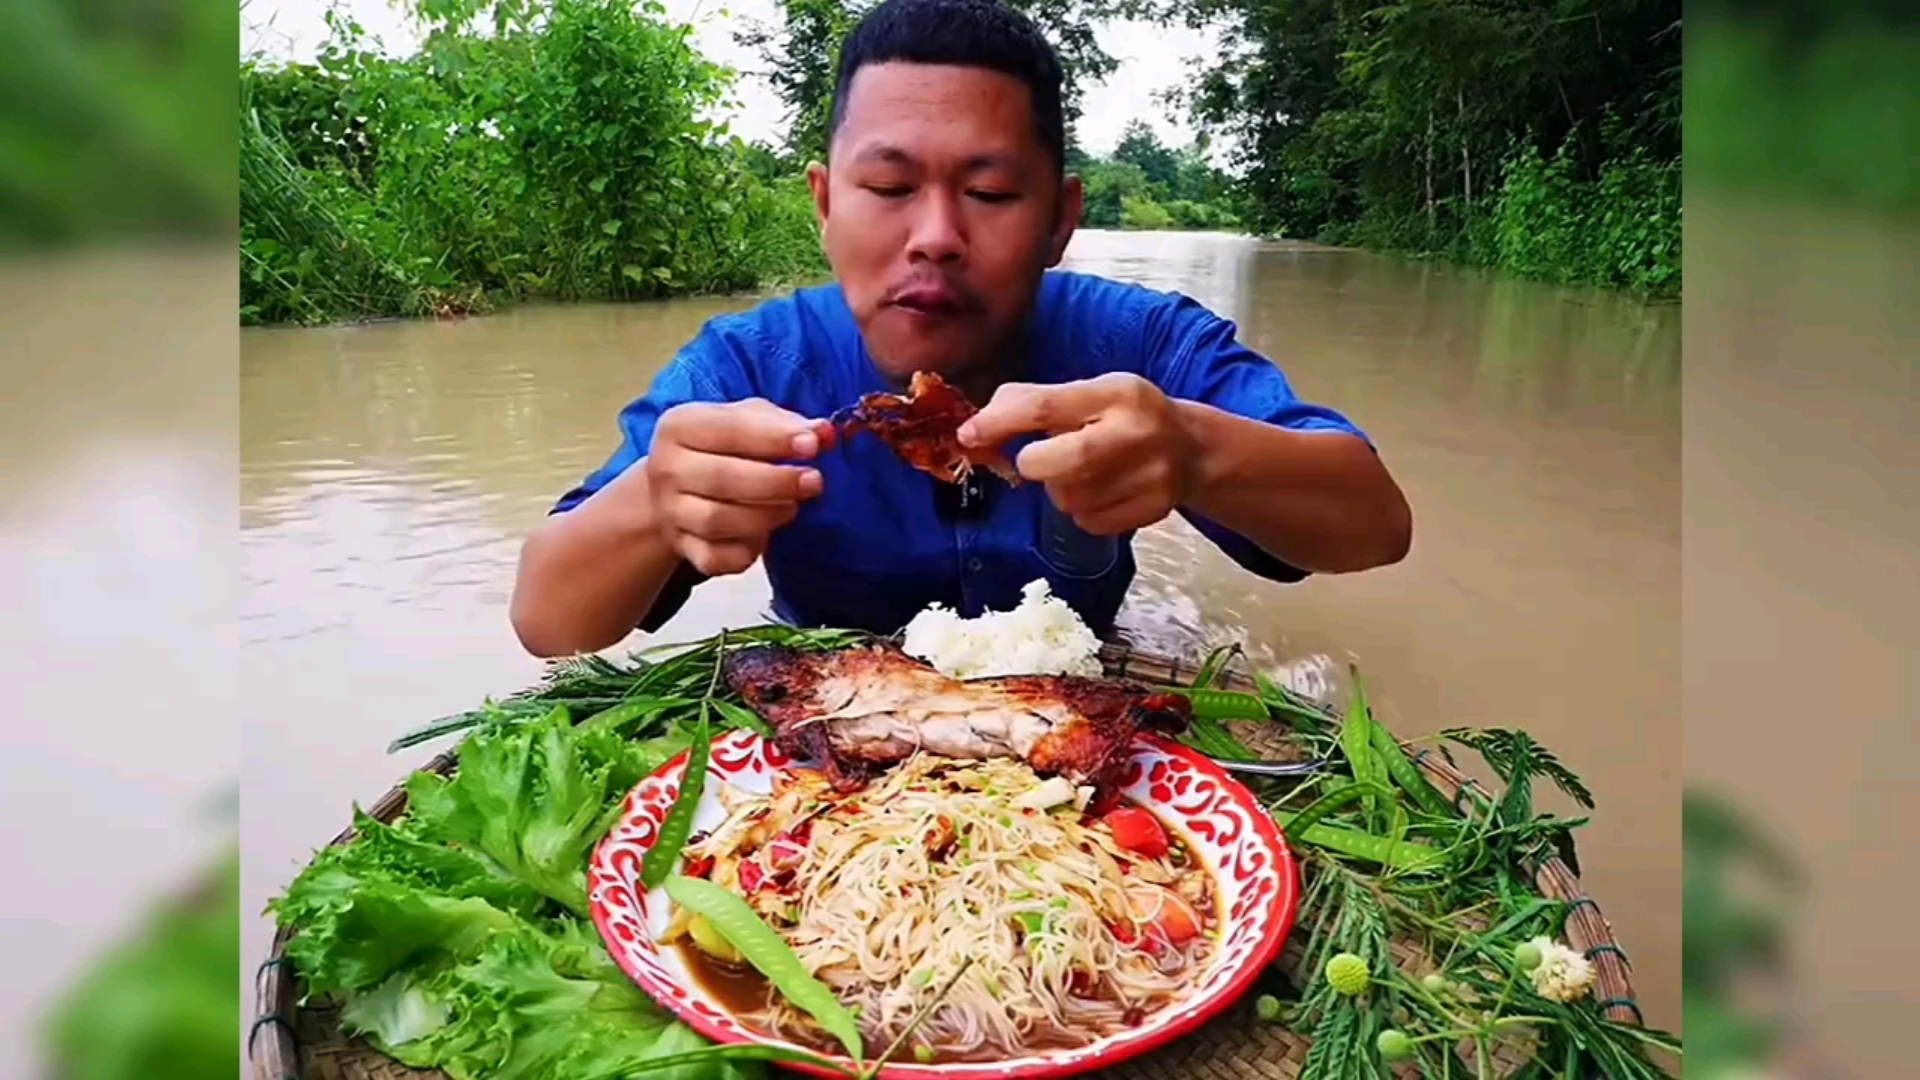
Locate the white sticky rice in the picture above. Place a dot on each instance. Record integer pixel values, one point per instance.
(1042, 636)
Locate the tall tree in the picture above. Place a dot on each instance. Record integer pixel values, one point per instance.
(1140, 145)
(802, 55)
(1402, 113)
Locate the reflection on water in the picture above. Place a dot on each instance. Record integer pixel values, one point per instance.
(389, 472)
(1803, 456)
(116, 564)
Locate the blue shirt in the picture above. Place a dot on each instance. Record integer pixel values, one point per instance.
(875, 548)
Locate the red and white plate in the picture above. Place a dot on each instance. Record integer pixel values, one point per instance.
(1220, 820)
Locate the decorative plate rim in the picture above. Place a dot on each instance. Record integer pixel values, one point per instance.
(1265, 952)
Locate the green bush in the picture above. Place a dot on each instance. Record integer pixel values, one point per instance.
(1141, 212)
(1622, 229)
(565, 155)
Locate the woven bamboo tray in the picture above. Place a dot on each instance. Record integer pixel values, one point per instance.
(293, 1042)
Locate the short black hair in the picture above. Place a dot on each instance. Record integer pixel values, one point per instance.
(960, 33)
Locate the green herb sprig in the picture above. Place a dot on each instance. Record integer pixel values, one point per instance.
(1386, 857)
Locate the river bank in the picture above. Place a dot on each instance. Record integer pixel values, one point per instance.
(584, 155)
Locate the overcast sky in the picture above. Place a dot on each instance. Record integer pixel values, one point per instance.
(1151, 58)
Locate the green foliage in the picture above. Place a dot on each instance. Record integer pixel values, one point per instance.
(115, 122)
(1142, 213)
(456, 939)
(1816, 103)
(564, 153)
(1739, 894)
(1148, 185)
(1621, 229)
(159, 1003)
(802, 56)
(1141, 147)
(1539, 137)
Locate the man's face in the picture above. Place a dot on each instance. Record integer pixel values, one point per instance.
(941, 211)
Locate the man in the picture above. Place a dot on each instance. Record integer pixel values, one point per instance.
(944, 207)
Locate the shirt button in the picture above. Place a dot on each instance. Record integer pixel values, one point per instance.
(975, 565)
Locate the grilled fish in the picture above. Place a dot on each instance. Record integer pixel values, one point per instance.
(861, 709)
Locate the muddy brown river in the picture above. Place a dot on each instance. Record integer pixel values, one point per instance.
(389, 472)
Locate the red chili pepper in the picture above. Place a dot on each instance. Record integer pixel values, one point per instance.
(940, 838)
(1136, 830)
(699, 866)
(752, 876)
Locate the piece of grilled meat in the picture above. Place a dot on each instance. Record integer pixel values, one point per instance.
(923, 427)
(860, 709)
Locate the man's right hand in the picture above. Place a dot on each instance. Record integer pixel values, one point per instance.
(722, 478)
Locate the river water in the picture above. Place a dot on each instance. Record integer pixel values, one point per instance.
(390, 471)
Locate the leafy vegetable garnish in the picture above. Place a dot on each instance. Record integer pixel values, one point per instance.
(400, 854)
(358, 931)
(648, 687)
(397, 1012)
(1387, 857)
(531, 1004)
(1517, 758)
(534, 800)
(160, 1003)
(456, 939)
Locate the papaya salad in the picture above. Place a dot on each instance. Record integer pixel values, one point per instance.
(997, 911)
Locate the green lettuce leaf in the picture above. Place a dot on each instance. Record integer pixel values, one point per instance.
(398, 854)
(387, 901)
(400, 1011)
(534, 800)
(372, 928)
(457, 939)
(534, 1005)
(160, 1003)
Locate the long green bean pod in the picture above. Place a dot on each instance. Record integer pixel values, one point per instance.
(1403, 856)
(1318, 810)
(1405, 773)
(678, 824)
(1210, 738)
(620, 717)
(741, 718)
(1223, 704)
(763, 947)
(1356, 739)
(1213, 665)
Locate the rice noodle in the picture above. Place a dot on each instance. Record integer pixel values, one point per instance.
(900, 886)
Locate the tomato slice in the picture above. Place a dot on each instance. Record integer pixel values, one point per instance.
(1136, 830)
(1167, 915)
(784, 854)
(752, 876)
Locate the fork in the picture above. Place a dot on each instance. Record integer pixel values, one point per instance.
(1269, 768)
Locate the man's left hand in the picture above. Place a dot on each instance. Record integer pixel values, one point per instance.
(1118, 456)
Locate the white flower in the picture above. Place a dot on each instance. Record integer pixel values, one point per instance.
(1563, 975)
